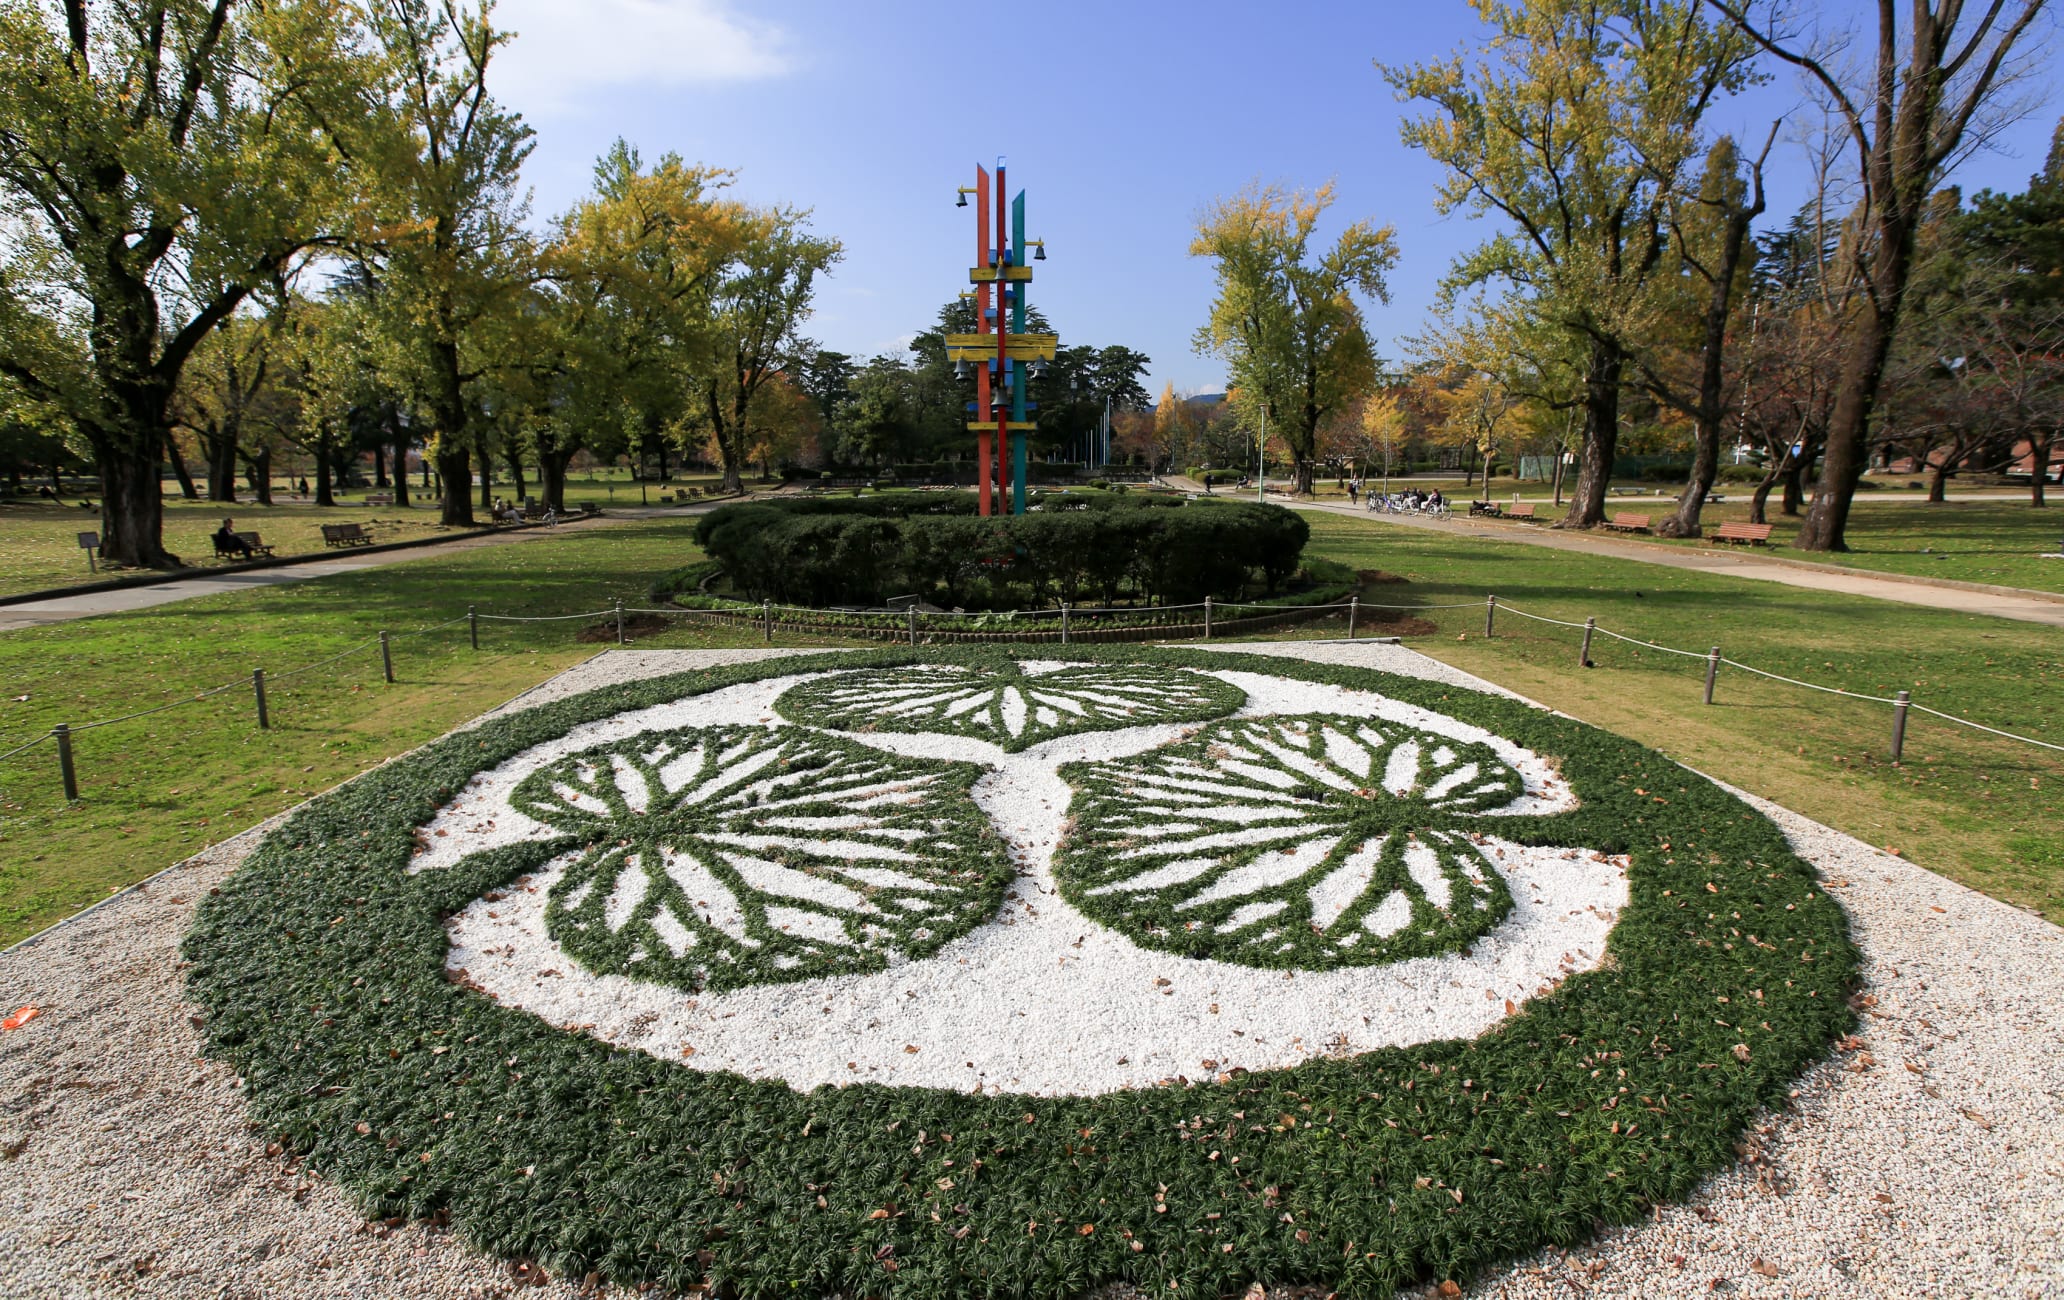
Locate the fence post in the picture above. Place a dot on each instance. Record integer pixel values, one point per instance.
(473, 625)
(767, 620)
(1898, 724)
(1490, 614)
(619, 623)
(912, 613)
(1584, 655)
(1207, 618)
(1354, 609)
(63, 732)
(1712, 671)
(386, 659)
(1064, 622)
(258, 690)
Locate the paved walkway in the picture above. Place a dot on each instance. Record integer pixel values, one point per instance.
(62, 609)
(1735, 563)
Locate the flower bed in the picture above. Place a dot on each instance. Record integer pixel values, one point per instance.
(942, 973)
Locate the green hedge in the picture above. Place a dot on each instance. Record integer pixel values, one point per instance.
(320, 967)
(1070, 547)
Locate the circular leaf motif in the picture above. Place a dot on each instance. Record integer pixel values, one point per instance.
(1008, 705)
(1306, 841)
(724, 856)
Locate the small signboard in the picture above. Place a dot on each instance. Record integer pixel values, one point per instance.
(89, 543)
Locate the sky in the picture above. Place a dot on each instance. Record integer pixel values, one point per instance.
(1120, 119)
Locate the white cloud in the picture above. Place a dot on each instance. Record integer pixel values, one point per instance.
(564, 47)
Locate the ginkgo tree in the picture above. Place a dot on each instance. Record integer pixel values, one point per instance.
(1573, 126)
(160, 160)
(1287, 319)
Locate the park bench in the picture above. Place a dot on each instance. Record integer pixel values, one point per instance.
(588, 510)
(255, 545)
(345, 535)
(1525, 512)
(1740, 534)
(379, 498)
(533, 510)
(1626, 523)
(1488, 509)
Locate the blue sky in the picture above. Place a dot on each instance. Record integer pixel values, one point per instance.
(1121, 120)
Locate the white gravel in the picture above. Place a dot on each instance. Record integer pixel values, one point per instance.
(1925, 1160)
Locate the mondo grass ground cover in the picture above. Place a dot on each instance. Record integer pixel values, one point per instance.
(162, 787)
(1979, 810)
(322, 965)
(39, 541)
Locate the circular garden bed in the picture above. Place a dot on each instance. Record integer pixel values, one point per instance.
(946, 973)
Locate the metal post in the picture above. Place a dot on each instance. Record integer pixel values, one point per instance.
(1712, 671)
(1354, 609)
(1490, 614)
(63, 732)
(1899, 704)
(1207, 618)
(619, 623)
(767, 620)
(1064, 622)
(473, 625)
(258, 689)
(1584, 655)
(386, 659)
(911, 615)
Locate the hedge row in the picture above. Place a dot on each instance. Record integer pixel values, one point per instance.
(861, 551)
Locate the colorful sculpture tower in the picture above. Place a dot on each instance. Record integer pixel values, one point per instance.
(1003, 356)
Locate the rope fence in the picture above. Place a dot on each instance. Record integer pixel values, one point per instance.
(768, 617)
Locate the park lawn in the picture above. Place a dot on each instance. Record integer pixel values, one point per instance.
(1980, 810)
(39, 542)
(160, 788)
(1999, 542)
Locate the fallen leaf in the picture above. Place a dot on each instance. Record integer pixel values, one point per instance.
(1765, 1267)
(21, 1017)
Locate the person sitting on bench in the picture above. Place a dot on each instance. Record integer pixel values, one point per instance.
(228, 543)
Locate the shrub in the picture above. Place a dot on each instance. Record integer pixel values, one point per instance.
(822, 552)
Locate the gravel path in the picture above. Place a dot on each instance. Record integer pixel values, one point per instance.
(1924, 1159)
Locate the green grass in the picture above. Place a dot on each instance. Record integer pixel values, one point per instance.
(1979, 810)
(1999, 543)
(39, 542)
(157, 789)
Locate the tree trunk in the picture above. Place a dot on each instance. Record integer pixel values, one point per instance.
(132, 509)
(515, 459)
(1304, 473)
(379, 465)
(1795, 486)
(552, 478)
(220, 447)
(1601, 436)
(186, 486)
(401, 449)
(1938, 481)
(324, 496)
(1847, 451)
(260, 473)
(2039, 449)
(455, 471)
(1759, 500)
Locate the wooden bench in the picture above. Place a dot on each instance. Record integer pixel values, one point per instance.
(1487, 509)
(253, 545)
(1525, 512)
(1626, 523)
(379, 498)
(345, 535)
(1741, 534)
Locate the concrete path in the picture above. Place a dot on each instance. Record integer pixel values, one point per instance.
(62, 609)
(1735, 563)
